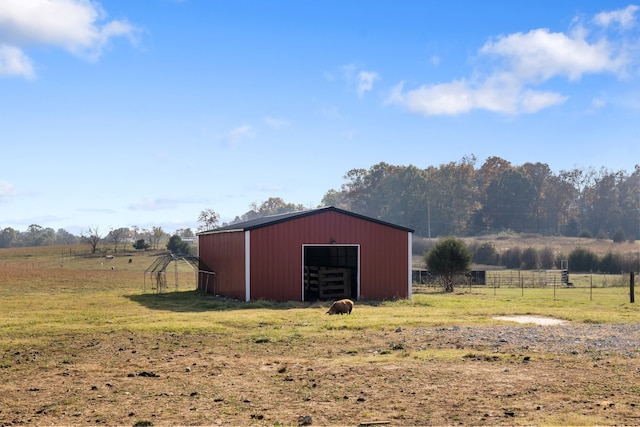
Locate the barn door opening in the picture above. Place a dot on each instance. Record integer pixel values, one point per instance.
(330, 272)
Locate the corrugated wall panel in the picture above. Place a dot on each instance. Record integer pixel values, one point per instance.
(275, 263)
(224, 254)
(276, 255)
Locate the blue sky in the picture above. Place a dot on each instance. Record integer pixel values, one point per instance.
(117, 113)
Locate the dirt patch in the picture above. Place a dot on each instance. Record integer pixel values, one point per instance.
(538, 320)
(492, 375)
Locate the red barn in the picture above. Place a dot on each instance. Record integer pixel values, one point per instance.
(318, 254)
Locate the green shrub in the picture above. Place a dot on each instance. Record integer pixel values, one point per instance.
(512, 258)
(547, 258)
(582, 260)
(449, 257)
(619, 236)
(530, 259)
(585, 234)
(611, 263)
(177, 246)
(486, 254)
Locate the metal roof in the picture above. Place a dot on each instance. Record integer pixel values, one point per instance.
(275, 219)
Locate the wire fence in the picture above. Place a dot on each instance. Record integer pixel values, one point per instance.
(28, 265)
(591, 285)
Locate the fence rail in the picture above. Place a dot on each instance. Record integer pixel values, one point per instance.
(590, 286)
(528, 279)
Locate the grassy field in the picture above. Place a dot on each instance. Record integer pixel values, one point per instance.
(559, 245)
(82, 342)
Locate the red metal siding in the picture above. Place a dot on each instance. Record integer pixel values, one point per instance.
(276, 264)
(224, 253)
(384, 262)
(276, 255)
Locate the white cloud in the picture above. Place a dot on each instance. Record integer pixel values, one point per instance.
(241, 132)
(597, 103)
(540, 55)
(532, 101)
(13, 62)
(447, 98)
(624, 17)
(77, 26)
(498, 94)
(365, 81)
(522, 62)
(275, 123)
(6, 191)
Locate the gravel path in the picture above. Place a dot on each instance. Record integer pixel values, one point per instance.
(567, 338)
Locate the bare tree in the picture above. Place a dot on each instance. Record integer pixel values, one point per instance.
(92, 237)
(157, 233)
(116, 236)
(135, 232)
(209, 219)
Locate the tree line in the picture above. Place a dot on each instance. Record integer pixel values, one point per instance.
(457, 198)
(117, 239)
(134, 237)
(461, 199)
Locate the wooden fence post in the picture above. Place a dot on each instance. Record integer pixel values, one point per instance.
(631, 287)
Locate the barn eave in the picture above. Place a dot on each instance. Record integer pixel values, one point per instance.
(279, 218)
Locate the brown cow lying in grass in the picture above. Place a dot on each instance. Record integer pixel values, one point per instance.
(343, 306)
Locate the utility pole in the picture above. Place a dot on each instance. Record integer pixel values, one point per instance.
(429, 219)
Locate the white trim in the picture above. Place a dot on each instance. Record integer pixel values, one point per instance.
(247, 265)
(302, 272)
(352, 245)
(208, 232)
(410, 256)
(358, 275)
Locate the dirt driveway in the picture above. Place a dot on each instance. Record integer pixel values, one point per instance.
(507, 374)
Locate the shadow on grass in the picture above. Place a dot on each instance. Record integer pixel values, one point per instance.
(198, 301)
